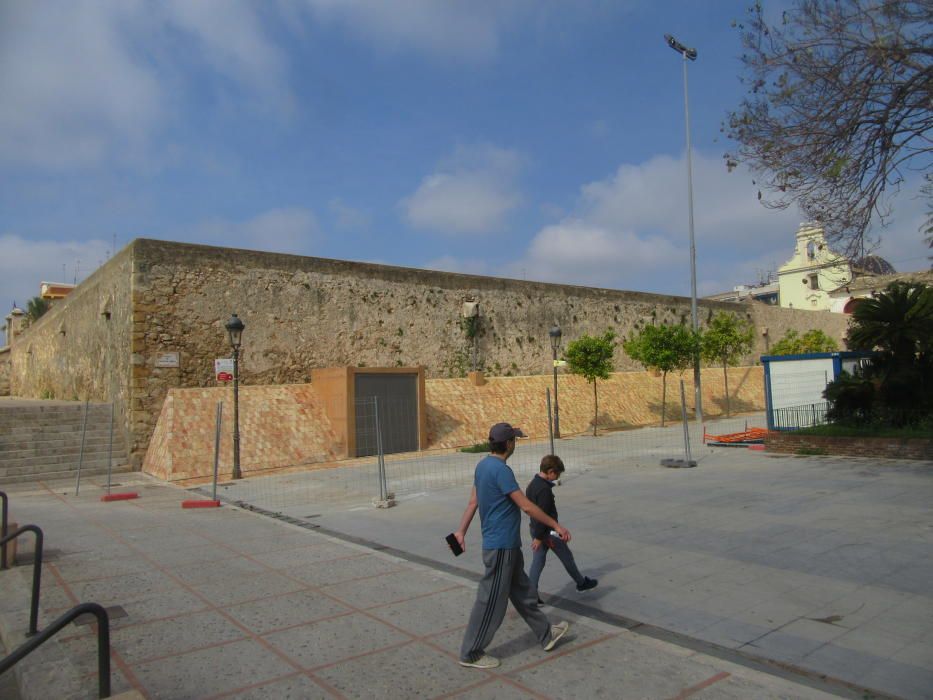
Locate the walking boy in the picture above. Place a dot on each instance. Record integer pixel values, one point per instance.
(540, 492)
(500, 501)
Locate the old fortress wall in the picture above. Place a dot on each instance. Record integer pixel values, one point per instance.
(303, 313)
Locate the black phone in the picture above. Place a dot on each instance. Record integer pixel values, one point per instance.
(454, 545)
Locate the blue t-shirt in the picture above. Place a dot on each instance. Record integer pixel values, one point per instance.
(500, 517)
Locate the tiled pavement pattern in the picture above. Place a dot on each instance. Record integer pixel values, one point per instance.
(228, 603)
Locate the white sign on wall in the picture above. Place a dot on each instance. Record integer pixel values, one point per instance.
(168, 359)
(223, 369)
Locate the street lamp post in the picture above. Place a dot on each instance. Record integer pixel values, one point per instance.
(555, 334)
(235, 330)
(690, 54)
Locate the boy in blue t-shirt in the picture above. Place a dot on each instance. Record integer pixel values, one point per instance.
(500, 502)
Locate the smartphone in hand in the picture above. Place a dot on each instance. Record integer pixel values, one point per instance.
(454, 545)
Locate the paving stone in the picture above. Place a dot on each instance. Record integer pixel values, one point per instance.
(208, 672)
(329, 641)
(374, 675)
(150, 640)
(245, 588)
(296, 687)
(388, 588)
(343, 569)
(276, 612)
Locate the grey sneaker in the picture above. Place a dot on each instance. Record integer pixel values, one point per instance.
(557, 631)
(485, 661)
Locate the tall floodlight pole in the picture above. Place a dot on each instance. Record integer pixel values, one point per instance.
(690, 54)
(235, 331)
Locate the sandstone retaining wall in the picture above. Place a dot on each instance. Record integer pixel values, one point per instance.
(287, 426)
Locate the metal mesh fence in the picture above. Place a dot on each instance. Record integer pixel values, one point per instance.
(793, 417)
(374, 477)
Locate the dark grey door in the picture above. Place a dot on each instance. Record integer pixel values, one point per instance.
(396, 402)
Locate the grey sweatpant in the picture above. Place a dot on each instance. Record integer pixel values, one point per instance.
(504, 580)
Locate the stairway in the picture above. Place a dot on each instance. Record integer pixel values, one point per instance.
(42, 440)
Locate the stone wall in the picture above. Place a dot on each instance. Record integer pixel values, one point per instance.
(76, 351)
(5, 368)
(303, 313)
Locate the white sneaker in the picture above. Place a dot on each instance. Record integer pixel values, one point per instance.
(485, 661)
(557, 631)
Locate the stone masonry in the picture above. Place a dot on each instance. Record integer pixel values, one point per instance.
(159, 297)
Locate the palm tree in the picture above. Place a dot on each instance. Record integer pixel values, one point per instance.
(35, 308)
(899, 323)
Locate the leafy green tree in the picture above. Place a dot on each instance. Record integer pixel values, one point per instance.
(898, 323)
(591, 357)
(812, 341)
(837, 110)
(36, 308)
(665, 348)
(727, 339)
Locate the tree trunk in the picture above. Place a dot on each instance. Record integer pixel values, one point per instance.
(663, 396)
(596, 407)
(725, 377)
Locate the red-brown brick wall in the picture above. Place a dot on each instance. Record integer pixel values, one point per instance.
(894, 448)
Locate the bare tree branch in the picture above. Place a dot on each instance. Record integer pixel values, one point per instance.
(839, 108)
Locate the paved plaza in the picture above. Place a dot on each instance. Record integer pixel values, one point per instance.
(749, 577)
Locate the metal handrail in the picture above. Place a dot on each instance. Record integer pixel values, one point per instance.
(36, 571)
(103, 643)
(3, 526)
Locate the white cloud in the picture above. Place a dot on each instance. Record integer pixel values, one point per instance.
(287, 230)
(72, 91)
(472, 192)
(576, 251)
(24, 264)
(346, 218)
(87, 81)
(630, 231)
(463, 30)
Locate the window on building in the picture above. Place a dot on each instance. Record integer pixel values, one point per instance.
(814, 282)
(811, 250)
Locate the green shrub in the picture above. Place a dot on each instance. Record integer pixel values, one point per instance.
(478, 447)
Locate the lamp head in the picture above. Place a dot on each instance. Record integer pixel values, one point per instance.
(235, 330)
(680, 48)
(555, 334)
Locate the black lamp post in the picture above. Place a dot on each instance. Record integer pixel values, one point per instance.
(555, 346)
(235, 330)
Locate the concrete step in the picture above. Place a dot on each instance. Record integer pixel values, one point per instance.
(38, 428)
(19, 415)
(51, 447)
(37, 470)
(40, 462)
(63, 474)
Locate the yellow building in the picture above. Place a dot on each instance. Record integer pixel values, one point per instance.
(806, 280)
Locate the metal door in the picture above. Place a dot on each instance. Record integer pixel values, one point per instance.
(396, 404)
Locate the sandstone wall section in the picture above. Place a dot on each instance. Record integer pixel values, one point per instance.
(80, 349)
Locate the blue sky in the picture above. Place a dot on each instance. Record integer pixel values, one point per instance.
(535, 139)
